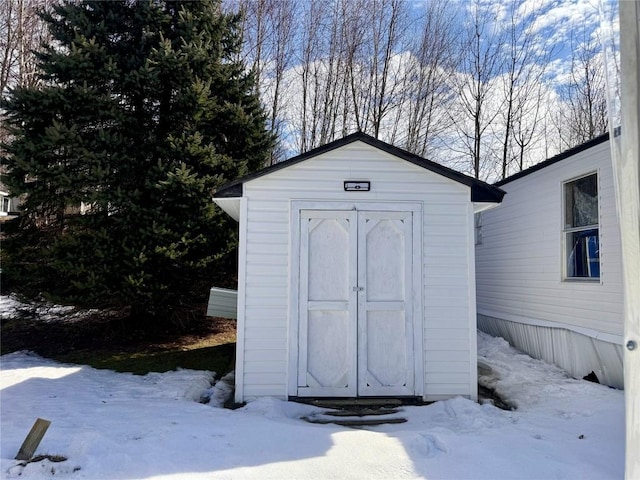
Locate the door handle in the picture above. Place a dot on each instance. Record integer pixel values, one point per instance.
(358, 289)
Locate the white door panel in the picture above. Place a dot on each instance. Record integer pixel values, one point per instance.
(326, 359)
(385, 324)
(356, 335)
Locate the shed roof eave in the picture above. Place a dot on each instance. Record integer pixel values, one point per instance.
(230, 205)
(483, 206)
(484, 193)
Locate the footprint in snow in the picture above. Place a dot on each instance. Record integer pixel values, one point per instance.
(428, 445)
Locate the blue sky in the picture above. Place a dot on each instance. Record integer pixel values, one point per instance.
(559, 24)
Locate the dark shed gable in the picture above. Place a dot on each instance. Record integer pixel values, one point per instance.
(561, 156)
(480, 191)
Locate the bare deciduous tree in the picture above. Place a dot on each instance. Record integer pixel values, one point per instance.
(322, 83)
(584, 113)
(526, 55)
(425, 81)
(473, 95)
(21, 33)
(269, 31)
(375, 73)
(386, 40)
(480, 66)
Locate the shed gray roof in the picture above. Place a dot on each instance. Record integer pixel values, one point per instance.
(480, 191)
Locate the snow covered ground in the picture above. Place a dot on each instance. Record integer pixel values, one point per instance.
(119, 426)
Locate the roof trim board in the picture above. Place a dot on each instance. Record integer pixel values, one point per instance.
(561, 156)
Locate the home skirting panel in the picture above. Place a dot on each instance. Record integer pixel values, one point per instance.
(578, 354)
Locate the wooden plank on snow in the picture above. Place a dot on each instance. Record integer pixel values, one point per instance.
(34, 437)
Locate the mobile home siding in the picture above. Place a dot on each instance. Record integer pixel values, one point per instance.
(447, 299)
(519, 263)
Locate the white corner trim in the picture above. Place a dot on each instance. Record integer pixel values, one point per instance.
(293, 291)
(473, 319)
(242, 276)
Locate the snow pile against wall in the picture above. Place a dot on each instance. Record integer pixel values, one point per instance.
(578, 354)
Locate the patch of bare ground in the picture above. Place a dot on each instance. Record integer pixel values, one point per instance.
(107, 339)
(210, 332)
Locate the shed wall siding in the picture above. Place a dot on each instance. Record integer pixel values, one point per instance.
(519, 264)
(449, 322)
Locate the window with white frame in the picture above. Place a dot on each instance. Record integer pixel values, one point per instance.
(581, 228)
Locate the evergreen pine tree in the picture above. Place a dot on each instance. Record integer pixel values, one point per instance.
(144, 111)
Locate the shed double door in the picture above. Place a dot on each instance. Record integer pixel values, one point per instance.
(355, 329)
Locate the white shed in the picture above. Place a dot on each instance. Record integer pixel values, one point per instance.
(356, 275)
(549, 266)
